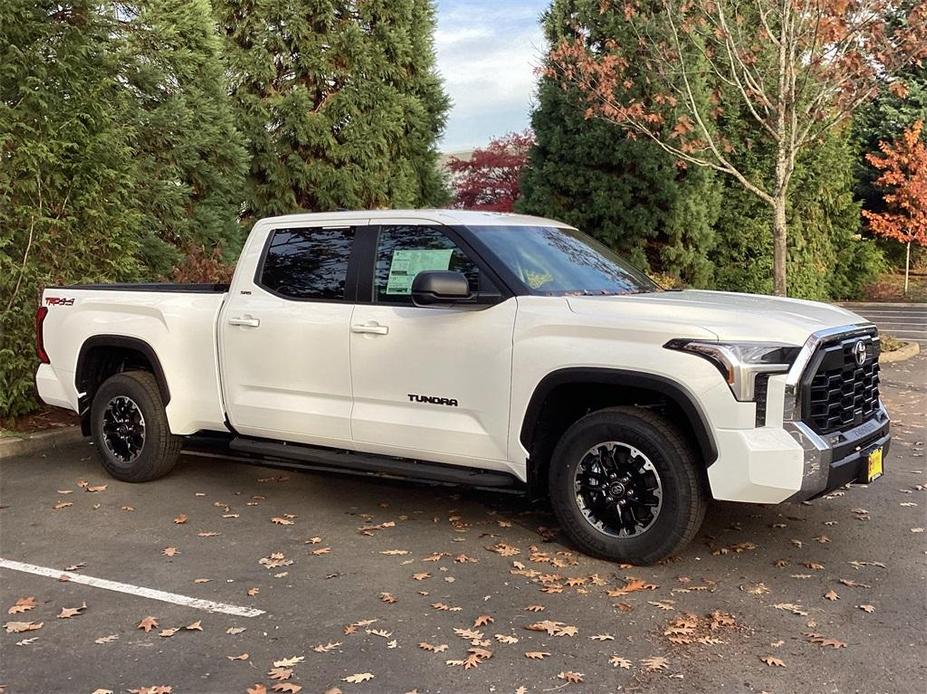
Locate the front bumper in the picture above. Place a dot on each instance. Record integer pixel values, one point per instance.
(837, 459)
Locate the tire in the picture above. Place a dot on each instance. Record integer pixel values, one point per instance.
(587, 517)
(146, 449)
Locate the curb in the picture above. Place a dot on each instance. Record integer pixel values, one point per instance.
(12, 446)
(911, 349)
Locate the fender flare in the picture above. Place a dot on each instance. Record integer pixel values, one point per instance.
(123, 342)
(672, 390)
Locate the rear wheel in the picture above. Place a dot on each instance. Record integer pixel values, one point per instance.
(625, 486)
(130, 429)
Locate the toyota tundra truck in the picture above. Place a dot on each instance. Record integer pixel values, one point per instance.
(495, 350)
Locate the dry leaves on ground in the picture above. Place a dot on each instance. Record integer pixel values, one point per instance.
(20, 627)
(68, 612)
(22, 605)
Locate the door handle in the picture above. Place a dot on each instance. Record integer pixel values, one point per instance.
(372, 328)
(246, 322)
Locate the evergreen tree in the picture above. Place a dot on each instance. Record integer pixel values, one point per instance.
(339, 101)
(67, 180)
(627, 193)
(190, 154)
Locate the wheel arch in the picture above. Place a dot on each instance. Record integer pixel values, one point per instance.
(591, 389)
(101, 356)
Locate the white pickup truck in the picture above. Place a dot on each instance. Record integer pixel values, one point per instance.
(476, 348)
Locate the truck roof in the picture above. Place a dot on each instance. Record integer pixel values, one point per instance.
(433, 216)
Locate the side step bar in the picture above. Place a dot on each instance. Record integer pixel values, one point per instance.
(334, 460)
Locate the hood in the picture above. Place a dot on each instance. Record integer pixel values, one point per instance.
(730, 316)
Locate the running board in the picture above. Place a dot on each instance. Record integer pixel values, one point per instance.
(335, 460)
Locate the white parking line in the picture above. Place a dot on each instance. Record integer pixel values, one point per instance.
(140, 591)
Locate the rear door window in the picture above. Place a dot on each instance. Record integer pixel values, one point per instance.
(308, 264)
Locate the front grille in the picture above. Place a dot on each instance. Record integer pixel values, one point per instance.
(841, 393)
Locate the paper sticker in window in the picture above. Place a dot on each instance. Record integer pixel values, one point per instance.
(406, 264)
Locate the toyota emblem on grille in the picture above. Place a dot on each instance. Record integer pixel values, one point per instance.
(859, 351)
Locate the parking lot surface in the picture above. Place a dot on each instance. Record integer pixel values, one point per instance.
(372, 586)
(904, 321)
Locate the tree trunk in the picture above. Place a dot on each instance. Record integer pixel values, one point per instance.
(779, 246)
(907, 268)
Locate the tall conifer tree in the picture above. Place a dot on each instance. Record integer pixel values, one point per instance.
(339, 101)
(627, 193)
(190, 153)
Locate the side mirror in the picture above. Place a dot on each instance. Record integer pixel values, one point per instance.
(440, 288)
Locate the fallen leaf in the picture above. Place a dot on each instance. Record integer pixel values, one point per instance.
(655, 663)
(253, 591)
(618, 661)
(791, 607)
(320, 551)
(394, 552)
(602, 637)
(280, 673)
(234, 630)
(256, 688)
(167, 633)
(61, 504)
(106, 639)
(243, 656)
(289, 662)
(287, 687)
(148, 623)
(535, 608)
(388, 598)
(867, 608)
(776, 662)
(202, 580)
(326, 647)
(20, 627)
(632, 585)
(506, 639)
(536, 655)
(421, 576)
(278, 520)
(170, 551)
(96, 488)
(359, 677)
(68, 612)
(195, 626)
(482, 621)
(831, 595)
(572, 677)
(181, 519)
(425, 646)
(22, 605)
(823, 640)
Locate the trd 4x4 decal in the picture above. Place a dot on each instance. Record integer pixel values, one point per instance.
(59, 301)
(433, 399)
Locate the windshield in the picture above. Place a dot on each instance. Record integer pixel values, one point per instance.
(555, 262)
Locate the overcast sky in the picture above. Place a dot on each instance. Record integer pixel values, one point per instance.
(488, 51)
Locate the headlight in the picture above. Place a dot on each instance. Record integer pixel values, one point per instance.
(740, 362)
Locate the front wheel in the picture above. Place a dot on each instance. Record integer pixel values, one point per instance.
(625, 486)
(130, 429)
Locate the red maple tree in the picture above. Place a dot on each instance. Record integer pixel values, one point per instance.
(489, 179)
(903, 164)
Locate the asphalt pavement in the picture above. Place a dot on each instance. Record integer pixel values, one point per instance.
(371, 586)
(904, 321)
